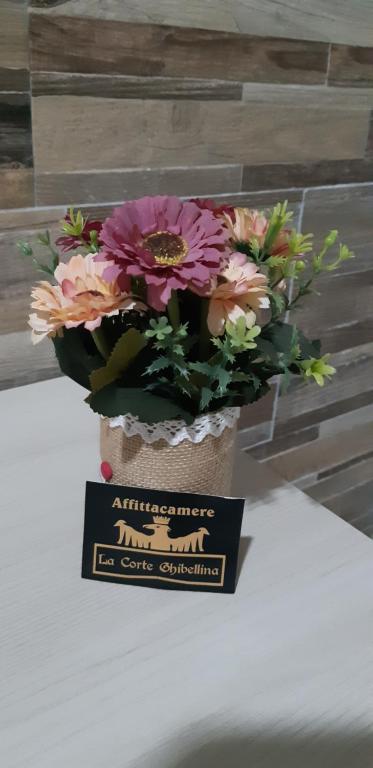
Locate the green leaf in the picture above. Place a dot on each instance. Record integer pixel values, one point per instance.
(205, 368)
(284, 338)
(24, 248)
(277, 220)
(158, 365)
(206, 397)
(117, 401)
(126, 349)
(267, 349)
(308, 348)
(72, 355)
(279, 302)
(224, 378)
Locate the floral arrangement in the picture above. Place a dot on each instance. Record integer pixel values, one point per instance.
(171, 309)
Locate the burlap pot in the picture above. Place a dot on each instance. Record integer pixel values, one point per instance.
(204, 467)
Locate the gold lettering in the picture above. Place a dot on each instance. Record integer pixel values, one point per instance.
(136, 565)
(195, 512)
(103, 560)
(210, 513)
(184, 511)
(116, 503)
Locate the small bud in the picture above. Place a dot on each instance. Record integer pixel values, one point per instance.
(331, 238)
(300, 265)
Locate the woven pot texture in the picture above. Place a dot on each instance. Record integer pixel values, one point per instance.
(204, 467)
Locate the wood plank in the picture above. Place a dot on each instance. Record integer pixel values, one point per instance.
(310, 174)
(13, 34)
(348, 209)
(22, 363)
(132, 87)
(15, 130)
(325, 453)
(341, 21)
(350, 65)
(16, 187)
(279, 445)
(343, 300)
(14, 79)
(369, 147)
(79, 44)
(355, 506)
(305, 405)
(309, 95)
(197, 132)
(123, 184)
(29, 220)
(341, 480)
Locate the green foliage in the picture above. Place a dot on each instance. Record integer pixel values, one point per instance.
(77, 355)
(27, 251)
(279, 217)
(172, 346)
(319, 264)
(251, 249)
(112, 400)
(75, 225)
(122, 355)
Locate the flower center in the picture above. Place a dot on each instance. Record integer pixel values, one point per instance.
(166, 247)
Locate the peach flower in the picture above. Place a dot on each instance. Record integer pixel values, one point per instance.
(81, 297)
(242, 292)
(246, 225)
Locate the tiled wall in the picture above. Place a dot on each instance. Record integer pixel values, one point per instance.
(252, 102)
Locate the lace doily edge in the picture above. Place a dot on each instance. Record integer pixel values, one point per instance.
(175, 431)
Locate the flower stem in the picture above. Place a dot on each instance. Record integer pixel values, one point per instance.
(101, 343)
(204, 333)
(174, 310)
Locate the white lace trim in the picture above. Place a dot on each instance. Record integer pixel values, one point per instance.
(175, 431)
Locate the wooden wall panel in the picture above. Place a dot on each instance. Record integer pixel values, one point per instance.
(62, 44)
(240, 101)
(16, 179)
(117, 185)
(340, 21)
(126, 133)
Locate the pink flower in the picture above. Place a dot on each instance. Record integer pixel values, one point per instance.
(171, 244)
(81, 297)
(242, 292)
(69, 242)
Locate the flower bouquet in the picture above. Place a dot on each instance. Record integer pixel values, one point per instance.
(173, 314)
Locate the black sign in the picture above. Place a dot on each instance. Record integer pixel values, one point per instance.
(160, 538)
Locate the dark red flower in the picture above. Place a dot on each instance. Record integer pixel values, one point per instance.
(210, 205)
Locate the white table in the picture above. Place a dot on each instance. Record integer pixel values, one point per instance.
(98, 675)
